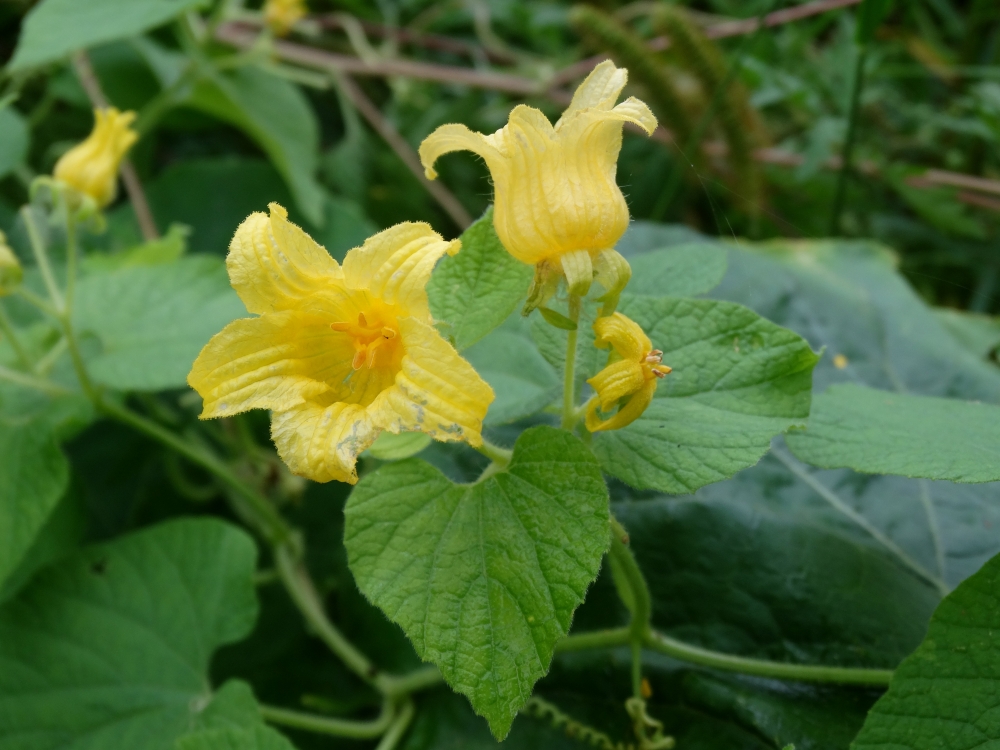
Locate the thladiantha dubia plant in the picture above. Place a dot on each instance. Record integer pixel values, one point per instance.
(662, 392)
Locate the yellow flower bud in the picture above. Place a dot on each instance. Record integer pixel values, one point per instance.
(556, 200)
(10, 268)
(91, 167)
(630, 378)
(281, 15)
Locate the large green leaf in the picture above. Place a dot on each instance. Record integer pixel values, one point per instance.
(848, 298)
(892, 433)
(737, 381)
(233, 738)
(945, 694)
(110, 648)
(54, 28)
(523, 381)
(473, 292)
(745, 571)
(483, 578)
(152, 321)
(33, 476)
(276, 114)
(679, 271)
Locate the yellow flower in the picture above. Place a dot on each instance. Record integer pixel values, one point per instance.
(281, 15)
(338, 353)
(10, 267)
(632, 374)
(556, 200)
(91, 167)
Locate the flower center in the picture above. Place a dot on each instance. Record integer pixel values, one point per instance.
(373, 338)
(653, 363)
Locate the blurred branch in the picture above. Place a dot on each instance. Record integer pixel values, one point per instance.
(243, 37)
(92, 85)
(403, 150)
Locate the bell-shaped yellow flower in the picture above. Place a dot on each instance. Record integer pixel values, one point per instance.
(556, 199)
(338, 353)
(281, 15)
(631, 375)
(91, 167)
(10, 268)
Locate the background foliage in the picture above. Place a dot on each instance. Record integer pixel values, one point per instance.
(801, 558)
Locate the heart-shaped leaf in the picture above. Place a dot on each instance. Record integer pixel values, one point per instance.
(484, 578)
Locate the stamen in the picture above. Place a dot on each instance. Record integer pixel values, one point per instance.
(362, 321)
(340, 327)
(388, 333)
(359, 359)
(661, 371)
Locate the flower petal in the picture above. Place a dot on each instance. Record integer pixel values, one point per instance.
(626, 415)
(323, 443)
(456, 137)
(276, 361)
(274, 264)
(396, 264)
(624, 335)
(599, 90)
(617, 380)
(437, 392)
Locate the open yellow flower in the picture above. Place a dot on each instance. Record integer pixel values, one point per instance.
(631, 375)
(556, 200)
(91, 167)
(338, 353)
(281, 15)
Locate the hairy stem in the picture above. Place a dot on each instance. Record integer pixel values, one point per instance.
(761, 668)
(398, 727)
(7, 328)
(32, 381)
(610, 638)
(640, 602)
(358, 730)
(496, 454)
(42, 259)
(569, 377)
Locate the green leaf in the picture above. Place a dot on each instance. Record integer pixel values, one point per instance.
(878, 432)
(33, 476)
(558, 320)
(945, 694)
(745, 569)
(161, 251)
(151, 321)
(483, 578)
(474, 291)
(870, 17)
(680, 271)
(231, 738)
(389, 447)
(64, 532)
(523, 381)
(848, 298)
(14, 140)
(738, 380)
(54, 28)
(980, 334)
(276, 114)
(110, 648)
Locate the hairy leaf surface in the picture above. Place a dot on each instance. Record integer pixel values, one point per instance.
(110, 648)
(152, 321)
(879, 432)
(483, 578)
(472, 292)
